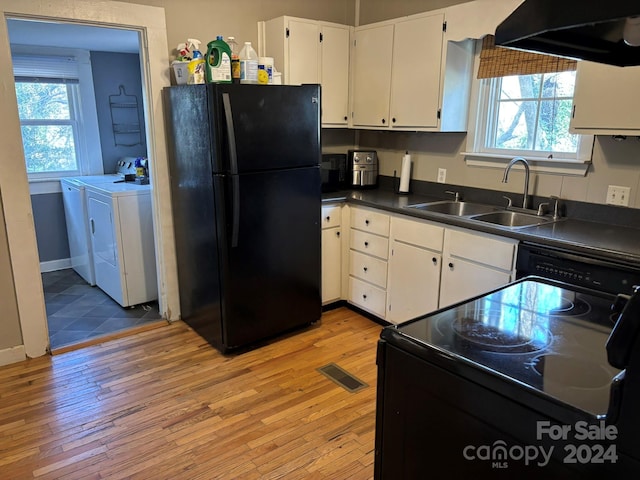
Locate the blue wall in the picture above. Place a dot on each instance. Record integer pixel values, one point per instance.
(110, 70)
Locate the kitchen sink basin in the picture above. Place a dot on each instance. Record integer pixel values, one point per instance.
(460, 209)
(507, 218)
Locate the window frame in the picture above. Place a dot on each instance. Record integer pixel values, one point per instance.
(75, 121)
(477, 154)
(88, 139)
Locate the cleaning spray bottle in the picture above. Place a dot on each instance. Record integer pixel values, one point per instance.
(196, 66)
(218, 61)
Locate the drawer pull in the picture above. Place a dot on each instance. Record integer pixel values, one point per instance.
(337, 234)
(365, 269)
(328, 218)
(366, 222)
(364, 296)
(434, 260)
(366, 244)
(451, 265)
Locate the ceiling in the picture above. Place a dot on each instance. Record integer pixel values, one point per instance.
(72, 35)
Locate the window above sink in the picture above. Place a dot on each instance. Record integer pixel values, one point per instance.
(527, 114)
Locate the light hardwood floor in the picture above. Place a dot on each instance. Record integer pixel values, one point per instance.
(163, 404)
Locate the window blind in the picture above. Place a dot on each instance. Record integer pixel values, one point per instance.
(503, 62)
(40, 68)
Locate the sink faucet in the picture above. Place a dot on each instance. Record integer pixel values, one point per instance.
(525, 199)
(457, 194)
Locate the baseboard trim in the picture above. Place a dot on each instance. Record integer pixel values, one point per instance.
(53, 265)
(12, 355)
(334, 305)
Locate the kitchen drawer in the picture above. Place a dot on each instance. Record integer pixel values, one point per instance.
(370, 221)
(418, 233)
(331, 216)
(488, 250)
(367, 296)
(368, 268)
(370, 244)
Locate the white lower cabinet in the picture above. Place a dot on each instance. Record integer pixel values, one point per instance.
(401, 267)
(367, 296)
(414, 278)
(331, 253)
(368, 255)
(474, 263)
(414, 269)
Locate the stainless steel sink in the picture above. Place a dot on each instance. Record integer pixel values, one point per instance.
(507, 218)
(460, 209)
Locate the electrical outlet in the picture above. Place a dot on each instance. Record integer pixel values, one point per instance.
(617, 195)
(442, 175)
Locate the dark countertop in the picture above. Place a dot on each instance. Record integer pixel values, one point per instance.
(600, 240)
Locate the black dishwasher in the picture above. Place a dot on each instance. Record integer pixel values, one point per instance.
(577, 269)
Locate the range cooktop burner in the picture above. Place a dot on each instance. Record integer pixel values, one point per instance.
(494, 338)
(539, 333)
(576, 307)
(575, 372)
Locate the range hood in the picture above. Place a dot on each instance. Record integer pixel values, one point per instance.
(602, 31)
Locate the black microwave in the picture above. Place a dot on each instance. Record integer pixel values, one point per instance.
(333, 171)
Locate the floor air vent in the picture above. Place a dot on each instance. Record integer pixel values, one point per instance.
(344, 379)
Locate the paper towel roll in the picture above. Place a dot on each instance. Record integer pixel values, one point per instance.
(405, 174)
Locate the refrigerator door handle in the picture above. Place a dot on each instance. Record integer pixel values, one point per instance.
(233, 164)
(231, 135)
(235, 210)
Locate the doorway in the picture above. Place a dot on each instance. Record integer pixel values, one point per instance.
(165, 301)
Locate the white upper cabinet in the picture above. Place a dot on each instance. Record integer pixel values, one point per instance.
(415, 72)
(606, 100)
(373, 50)
(334, 54)
(310, 51)
(407, 76)
(303, 40)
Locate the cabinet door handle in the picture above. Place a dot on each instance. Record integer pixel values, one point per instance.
(393, 119)
(434, 260)
(366, 222)
(384, 121)
(364, 296)
(451, 265)
(328, 218)
(337, 234)
(366, 244)
(346, 118)
(93, 226)
(365, 269)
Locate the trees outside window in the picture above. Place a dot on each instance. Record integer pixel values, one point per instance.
(530, 113)
(49, 125)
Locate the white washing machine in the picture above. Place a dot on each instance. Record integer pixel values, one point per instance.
(110, 230)
(75, 210)
(121, 233)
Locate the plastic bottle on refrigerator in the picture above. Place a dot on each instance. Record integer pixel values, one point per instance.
(248, 64)
(218, 61)
(235, 59)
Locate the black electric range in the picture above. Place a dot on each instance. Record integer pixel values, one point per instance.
(521, 369)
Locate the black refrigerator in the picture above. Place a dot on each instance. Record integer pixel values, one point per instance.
(245, 191)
